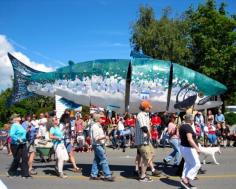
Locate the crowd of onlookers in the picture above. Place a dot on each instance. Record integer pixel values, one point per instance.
(73, 132)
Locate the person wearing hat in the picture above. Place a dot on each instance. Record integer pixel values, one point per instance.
(98, 141)
(114, 134)
(18, 148)
(145, 151)
(189, 150)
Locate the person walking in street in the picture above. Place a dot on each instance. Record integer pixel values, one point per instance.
(100, 159)
(18, 148)
(174, 142)
(143, 141)
(190, 152)
(58, 143)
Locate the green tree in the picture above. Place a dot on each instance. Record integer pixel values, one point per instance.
(32, 105)
(165, 38)
(213, 35)
(203, 39)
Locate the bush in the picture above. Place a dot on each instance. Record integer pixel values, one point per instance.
(230, 118)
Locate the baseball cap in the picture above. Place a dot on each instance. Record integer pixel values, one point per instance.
(145, 104)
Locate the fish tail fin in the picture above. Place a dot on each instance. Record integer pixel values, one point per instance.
(22, 74)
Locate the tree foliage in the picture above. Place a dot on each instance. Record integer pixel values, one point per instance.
(203, 39)
(33, 105)
(213, 45)
(164, 39)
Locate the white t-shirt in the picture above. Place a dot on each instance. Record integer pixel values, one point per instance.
(35, 123)
(121, 126)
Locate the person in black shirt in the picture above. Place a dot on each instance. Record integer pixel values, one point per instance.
(189, 150)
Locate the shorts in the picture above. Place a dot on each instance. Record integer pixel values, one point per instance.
(31, 147)
(146, 152)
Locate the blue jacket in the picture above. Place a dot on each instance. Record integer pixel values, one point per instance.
(17, 132)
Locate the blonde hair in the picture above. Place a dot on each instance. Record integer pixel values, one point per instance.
(6, 126)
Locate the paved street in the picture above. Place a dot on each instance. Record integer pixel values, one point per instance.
(216, 176)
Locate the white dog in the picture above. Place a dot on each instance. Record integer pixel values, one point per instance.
(209, 151)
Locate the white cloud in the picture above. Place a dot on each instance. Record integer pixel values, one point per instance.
(6, 71)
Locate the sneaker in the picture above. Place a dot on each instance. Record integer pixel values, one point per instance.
(145, 179)
(136, 173)
(109, 179)
(156, 173)
(94, 178)
(27, 177)
(61, 175)
(188, 185)
(56, 170)
(33, 172)
(201, 171)
(10, 174)
(185, 185)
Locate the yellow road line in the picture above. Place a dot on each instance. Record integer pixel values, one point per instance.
(122, 178)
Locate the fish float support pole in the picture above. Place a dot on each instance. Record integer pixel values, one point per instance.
(127, 87)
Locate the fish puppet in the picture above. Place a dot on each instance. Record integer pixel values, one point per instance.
(120, 84)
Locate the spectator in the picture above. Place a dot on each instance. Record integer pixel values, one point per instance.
(225, 134)
(32, 132)
(7, 128)
(164, 120)
(219, 118)
(211, 135)
(219, 133)
(210, 116)
(27, 122)
(3, 137)
(114, 135)
(199, 119)
(156, 121)
(154, 136)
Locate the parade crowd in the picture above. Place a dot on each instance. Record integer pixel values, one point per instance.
(72, 133)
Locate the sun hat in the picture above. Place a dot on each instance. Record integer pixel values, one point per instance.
(13, 116)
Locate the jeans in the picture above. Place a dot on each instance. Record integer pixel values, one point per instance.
(114, 142)
(19, 152)
(176, 155)
(212, 138)
(100, 160)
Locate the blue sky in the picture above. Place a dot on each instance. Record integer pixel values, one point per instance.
(55, 31)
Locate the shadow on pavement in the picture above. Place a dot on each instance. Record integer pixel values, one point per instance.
(170, 182)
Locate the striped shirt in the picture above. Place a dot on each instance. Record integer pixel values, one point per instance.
(143, 120)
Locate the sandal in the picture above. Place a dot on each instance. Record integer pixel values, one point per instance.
(77, 170)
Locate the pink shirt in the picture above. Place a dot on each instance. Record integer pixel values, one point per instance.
(172, 130)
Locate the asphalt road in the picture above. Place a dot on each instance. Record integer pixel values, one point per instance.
(122, 165)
